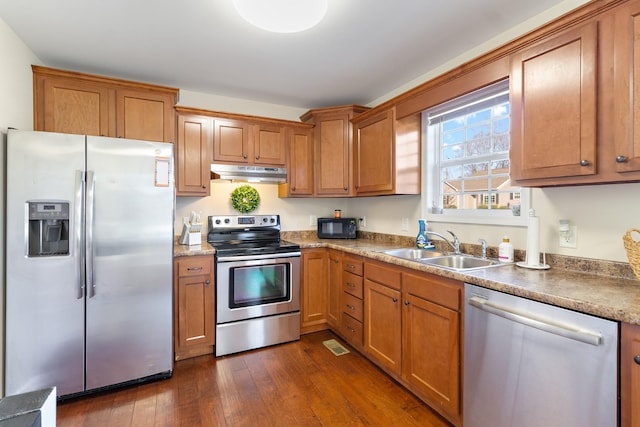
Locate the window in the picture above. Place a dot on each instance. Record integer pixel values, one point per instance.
(467, 173)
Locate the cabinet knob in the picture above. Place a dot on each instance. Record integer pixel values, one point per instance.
(244, 156)
(406, 302)
(621, 159)
(257, 157)
(394, 299)
(293, 188)
(345, 188)
(584, 162)
(637, 359)
(207, 282)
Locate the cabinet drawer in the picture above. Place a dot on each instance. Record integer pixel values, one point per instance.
(353, 265)
(352, 330)
(352, 306)
(386, 275)
(194, 266)
(440, 290)
(352, 284)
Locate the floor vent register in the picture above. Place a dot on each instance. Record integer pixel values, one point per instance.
(335, 347)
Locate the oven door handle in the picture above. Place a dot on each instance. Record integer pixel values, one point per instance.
(257, 257)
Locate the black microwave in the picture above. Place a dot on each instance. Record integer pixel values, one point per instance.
(337, 228)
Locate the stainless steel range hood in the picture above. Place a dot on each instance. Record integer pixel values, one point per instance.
(264, 174)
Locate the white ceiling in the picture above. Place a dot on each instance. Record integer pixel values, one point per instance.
(362, 50)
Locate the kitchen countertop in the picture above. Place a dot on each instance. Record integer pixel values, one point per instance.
(610, 297)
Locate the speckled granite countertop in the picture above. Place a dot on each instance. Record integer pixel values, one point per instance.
(615, 297)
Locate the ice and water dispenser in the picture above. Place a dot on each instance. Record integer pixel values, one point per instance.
(48, 228)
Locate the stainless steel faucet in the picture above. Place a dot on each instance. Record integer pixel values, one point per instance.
(484, 247)
(456, 242)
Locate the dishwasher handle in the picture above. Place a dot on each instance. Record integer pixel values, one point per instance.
(547, 325)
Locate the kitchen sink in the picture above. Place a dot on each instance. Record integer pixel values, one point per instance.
(461, 262)
(413, 254)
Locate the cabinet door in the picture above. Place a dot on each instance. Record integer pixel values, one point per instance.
(334, 288)
(269, 145)
(431, 352)
(300, 168)
(630, 375)
(332, 156)
(374, 155)
(627, 88)
(382, 323)
(74, 106)
(145, 115)
(231, 141)
(314, 288)
(193, 155)
(553, 106)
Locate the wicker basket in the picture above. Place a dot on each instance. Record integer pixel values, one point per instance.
(633, 250)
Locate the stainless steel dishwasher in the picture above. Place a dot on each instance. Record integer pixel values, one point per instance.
(529, 364)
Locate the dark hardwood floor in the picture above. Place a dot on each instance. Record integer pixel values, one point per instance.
(294, 384)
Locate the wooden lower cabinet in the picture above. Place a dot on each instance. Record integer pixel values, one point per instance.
(351, 301)
(334, 288)
(313, 292)
(413, 331)
(194, 305)
(383, 316)
(431, 341)
(630, 375)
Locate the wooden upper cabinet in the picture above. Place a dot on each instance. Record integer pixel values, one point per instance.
(145, 115)
(333, 135)
(68, 105)
(239, 139)
(269, 144)
(553, 106)
(231, 141)
(387, 154)
(374, 154)
(71, 102)
(193, 154)
(626, 89)
(300, 166)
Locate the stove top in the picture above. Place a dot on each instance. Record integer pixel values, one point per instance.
(247, 235)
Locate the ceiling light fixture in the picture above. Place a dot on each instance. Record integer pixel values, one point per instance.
(282, 16)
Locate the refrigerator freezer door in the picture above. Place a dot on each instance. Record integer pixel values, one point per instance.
(44, 313)
(129, 302)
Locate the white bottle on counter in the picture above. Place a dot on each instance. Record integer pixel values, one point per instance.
(505, 250)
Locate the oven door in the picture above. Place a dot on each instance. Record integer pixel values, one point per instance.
(256, 286)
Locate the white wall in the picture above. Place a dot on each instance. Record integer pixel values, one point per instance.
(16, 106)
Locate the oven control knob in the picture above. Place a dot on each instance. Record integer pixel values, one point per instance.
(265, 219)
(273, 220)
(218, 221)
(227, 220)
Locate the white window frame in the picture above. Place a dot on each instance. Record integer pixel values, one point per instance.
(431, 199)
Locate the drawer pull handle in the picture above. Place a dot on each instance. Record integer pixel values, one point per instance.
(351, 266)
(350, 329)
(351, 285)
(194, 268)
(350, 307)
(637, 359)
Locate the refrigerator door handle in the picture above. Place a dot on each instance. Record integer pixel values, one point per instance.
(77, 231)
(89, 209)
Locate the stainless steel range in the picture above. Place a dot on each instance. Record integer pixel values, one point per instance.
(257, 283)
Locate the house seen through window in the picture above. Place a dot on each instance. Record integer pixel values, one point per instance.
(468, 155)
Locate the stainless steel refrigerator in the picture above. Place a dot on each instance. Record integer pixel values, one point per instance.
(89, 255)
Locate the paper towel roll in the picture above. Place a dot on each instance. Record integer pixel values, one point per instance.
(533, 239)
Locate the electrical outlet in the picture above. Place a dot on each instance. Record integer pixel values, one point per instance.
(405, 224)
(363, 222)
(569, 239)
(313, 220)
